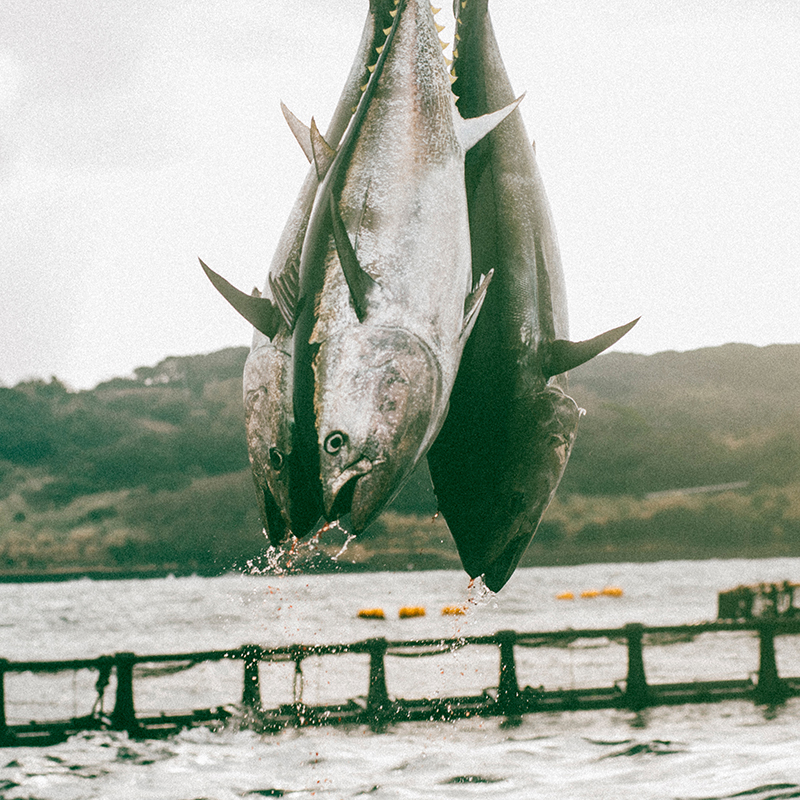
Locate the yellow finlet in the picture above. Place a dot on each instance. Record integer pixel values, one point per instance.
(455, 52)
(448, 61)
(435, 10)
(393, 12)
(387, 31)
(379, 50)
(444, 45)
(371, 67)
(439, 28)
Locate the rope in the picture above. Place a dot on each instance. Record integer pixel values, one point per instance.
(435, 651)
(297, 682)
(167, 669)
(103, 677)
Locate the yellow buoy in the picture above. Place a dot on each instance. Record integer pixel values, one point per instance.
(453, 611)
(612, 591)
(411, 611)
(588, 593)
(565, 596)
(371, 613)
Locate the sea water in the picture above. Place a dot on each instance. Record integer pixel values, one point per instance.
(723, 750)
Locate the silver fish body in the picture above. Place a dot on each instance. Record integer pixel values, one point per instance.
(502, 451)
(287, 501)
(386, 279)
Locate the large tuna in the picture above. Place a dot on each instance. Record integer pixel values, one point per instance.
(502, 451)
(288, 502)
(387, 297)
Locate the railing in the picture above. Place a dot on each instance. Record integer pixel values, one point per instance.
(378, 707)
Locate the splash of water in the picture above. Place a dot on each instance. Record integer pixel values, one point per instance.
(350, 537)
(294, 556)
(478, 593)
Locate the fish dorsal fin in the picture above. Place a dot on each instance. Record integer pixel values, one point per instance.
(563, 355)
(473, 303)
(260, 312)
(471, 131)
(359, 282)
(285, 286)
(301, 132)
(322, 152)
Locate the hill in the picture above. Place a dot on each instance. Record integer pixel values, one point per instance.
(150, 472)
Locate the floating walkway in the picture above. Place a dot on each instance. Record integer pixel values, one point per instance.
(378, 708)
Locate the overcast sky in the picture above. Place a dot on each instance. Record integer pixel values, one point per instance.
(135, 136)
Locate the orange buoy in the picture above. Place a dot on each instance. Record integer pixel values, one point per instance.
(453, 611)
(411, 611)
(612, 591)
(371, 613)
(565, 596)
(588, 593)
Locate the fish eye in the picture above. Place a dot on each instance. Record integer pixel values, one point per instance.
(334, 442)
(275, 458)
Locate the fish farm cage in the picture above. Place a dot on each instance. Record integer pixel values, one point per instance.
(377, 708)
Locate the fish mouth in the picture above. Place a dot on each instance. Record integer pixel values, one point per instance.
(365, 494)
(338, 495)
(375, 491)
(271, 516)
(343, 501)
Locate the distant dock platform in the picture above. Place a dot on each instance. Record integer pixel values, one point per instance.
(378, 708)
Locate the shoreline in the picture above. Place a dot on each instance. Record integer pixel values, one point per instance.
(426, 564)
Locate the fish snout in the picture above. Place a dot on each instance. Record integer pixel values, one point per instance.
(338, 489)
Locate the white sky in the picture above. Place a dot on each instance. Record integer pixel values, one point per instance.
(137, 135)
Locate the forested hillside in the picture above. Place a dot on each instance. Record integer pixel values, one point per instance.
(671, 420)
(151, 471)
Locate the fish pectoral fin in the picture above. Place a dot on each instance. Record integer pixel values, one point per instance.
(301, 132)
(322, 152)
(473, 303)
(471, 131)
(260, 312)
(359, 282)
(563, 355)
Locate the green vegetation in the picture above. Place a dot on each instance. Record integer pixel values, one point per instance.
(150, 472)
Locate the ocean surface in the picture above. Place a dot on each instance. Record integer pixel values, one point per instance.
(726, 750)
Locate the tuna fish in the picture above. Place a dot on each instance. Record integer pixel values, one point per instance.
(386, 294)
(502, 451)
(286, 500)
